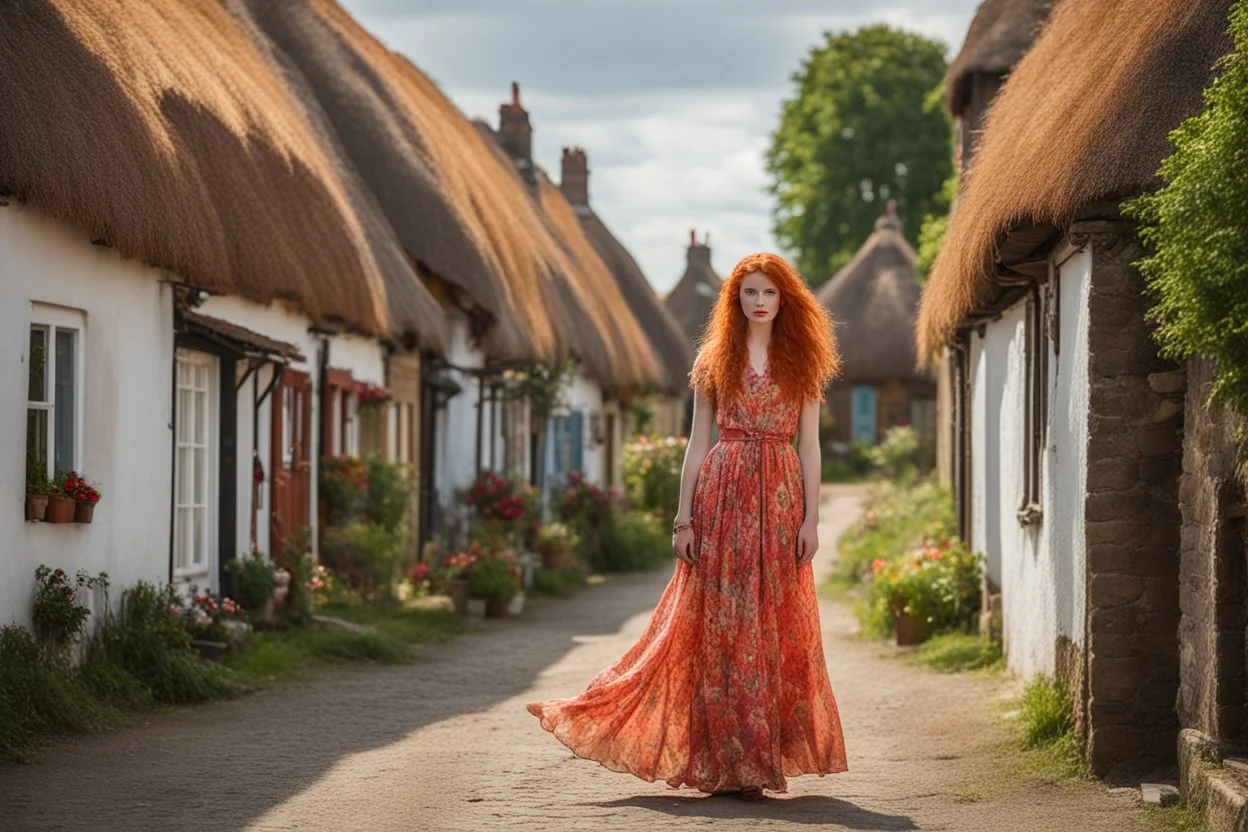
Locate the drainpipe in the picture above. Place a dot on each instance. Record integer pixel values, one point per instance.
(173, 436)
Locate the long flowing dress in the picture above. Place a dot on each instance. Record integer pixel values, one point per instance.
(727, 687)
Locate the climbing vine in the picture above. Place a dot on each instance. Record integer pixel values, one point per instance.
(1195, 229)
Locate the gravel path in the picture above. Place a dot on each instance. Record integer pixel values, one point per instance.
(445, 744)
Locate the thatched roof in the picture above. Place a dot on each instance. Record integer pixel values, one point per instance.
(1083, 118)
(454, 202)
(162, 130)
(1000, 34)
(690, 302)
(874, 300)
(610, 329)
(667, 339)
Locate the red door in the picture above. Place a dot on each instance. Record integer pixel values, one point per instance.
(291, 485)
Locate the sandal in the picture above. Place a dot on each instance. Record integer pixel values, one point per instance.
(752, 793)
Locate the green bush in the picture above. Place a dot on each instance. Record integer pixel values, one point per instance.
(389, 493)
(1196, 228)
(896, 455)
(149, 640)
(344, 487)
(939, 584)
(367, 559)
(652, 469)
(493, 578)
(558, 583)
(252, 578)
(895, 520)
(629, 542)
(1045, 713)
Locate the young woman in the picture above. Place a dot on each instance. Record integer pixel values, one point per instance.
(727, 691)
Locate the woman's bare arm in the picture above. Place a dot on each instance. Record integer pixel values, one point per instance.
(809, 452)
(695, 454)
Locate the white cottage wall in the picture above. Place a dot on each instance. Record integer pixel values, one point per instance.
(126, 355)
(456, 451)
(1039, 568)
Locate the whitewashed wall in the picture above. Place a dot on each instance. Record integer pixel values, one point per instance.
(455, 463)
(584, 394)
(126, 407)
(1040, 568)
(362, 357)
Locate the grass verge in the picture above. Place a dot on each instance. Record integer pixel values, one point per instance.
(959, 653)
(1043, 723)
(1176, 819)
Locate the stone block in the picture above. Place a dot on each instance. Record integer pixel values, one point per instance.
(1116, 680)
(1104, 446)
(1113, 474)
(1130, 557)
(1169, 382)
(1114, 590)
(1159, 441)
(1159, 794)
(1129, 620)
(1168, 409)
(1113, 505)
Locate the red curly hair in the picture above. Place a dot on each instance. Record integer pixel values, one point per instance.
(802, 355)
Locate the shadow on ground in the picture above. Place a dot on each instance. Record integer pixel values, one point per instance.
(827, 812)
(223, 766)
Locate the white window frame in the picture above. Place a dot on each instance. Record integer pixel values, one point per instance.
(51, 319)
(184, 568)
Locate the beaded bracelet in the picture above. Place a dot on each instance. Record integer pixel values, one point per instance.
(680, 527)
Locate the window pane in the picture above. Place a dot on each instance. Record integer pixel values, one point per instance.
(37, 440)
(201, 418)
(37, 383)
(201, 474)
(184, 415)
(199, 557)
(66, 400)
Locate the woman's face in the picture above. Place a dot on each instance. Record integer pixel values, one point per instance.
(760, 299)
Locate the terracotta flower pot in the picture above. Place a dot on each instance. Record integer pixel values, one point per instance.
(36, 506)
(497, 607)
(83, 511)
(910, 629)
(553, 559)
(457, 591)
(60, 510)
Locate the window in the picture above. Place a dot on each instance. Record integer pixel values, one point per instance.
(1036, 352)
(194, 529)
(53, 390)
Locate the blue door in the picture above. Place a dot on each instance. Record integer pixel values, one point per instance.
(862, 415)
(576, 438)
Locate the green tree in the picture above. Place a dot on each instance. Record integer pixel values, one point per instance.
(1196, 228)
(935, 226)
(863, 127)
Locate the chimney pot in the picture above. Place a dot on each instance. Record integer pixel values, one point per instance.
(515, 93)
(693, 237)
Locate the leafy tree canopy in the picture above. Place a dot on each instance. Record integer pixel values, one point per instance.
(1196, 229)
(863, 126)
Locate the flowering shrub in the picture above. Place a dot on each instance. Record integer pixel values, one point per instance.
(939, 583)
(652, 467)
(253, 581)
(57, 611)
(494, 577)
(582, 504)
(457, 566)
(554, 537)
(344, 487)
(496, 497)
(207, 617)
(370, 395)
(895, 520)
(76, 488)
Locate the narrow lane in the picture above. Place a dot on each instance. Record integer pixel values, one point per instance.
(445, 744)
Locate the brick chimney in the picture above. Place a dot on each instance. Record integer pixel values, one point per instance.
(699, 253)
(516, 133)
(574, 178)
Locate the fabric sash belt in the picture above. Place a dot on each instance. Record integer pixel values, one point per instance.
(743, 436)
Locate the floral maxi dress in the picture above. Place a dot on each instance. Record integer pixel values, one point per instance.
(727, 687)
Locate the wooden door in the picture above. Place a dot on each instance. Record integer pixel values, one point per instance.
(290, 485)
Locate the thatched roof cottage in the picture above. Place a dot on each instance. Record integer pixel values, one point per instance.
(1069, 445)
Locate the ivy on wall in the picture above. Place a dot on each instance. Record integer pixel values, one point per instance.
(1196, 230)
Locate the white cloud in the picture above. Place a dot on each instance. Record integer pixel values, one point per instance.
(674, 100)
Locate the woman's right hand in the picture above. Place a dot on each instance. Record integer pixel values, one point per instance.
(683, 544)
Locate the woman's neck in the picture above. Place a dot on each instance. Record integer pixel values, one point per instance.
(759, 335)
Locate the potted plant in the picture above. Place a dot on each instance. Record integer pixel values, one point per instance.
(457, 567)
(214, 624)
(36, 492)
(254, 580)
(84, 495)
(553, 542)
(61, 503)
(495, 581)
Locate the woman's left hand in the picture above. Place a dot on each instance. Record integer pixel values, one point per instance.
(807, 542)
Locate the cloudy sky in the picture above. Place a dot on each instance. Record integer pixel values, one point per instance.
(673, 100)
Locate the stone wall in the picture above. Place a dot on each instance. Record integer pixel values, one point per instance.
(1134, 460)
(1212, 579)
